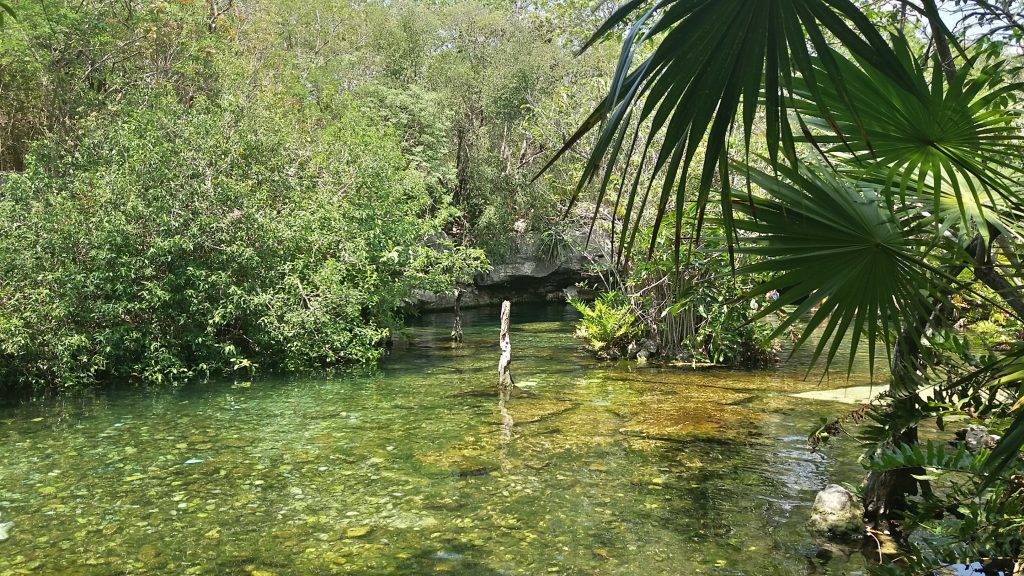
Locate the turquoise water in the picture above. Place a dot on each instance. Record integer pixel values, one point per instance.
(605, 469)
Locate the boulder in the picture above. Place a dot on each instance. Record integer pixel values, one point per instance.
(644, 350)
(471, 297)
(837, 513)
(547, 267)
(632, 350)
(542, 268)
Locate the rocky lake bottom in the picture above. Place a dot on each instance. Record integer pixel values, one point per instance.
(606, 469)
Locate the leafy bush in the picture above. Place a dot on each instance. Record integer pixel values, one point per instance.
(694, 310)
(172, 243)
(607, 324)
(69, 60)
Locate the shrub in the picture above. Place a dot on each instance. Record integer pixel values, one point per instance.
(693, 310)
(176, 242)
(608, 324)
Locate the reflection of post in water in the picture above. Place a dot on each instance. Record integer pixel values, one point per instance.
(457, 327)
(506, 417)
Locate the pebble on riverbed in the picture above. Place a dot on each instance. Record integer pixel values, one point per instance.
(5, 528)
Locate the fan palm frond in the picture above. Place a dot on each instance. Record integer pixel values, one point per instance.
(955, 137)
(714, 63)
(839, 255)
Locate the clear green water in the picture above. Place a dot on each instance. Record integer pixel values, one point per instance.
(406, 470)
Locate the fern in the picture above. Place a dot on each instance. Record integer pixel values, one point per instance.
(606, 323)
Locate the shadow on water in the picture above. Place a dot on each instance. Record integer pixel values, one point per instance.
(456, 558)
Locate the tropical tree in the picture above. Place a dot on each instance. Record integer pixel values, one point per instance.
(889, 185)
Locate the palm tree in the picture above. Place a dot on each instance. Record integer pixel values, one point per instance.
(888, 171)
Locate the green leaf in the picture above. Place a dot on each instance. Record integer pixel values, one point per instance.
(948, 145)
(713, 62)
(933, 456)
(838, 255)
(6, 9)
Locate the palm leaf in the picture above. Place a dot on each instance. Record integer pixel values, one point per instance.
(1008, 374)
(840, 252)
(948, 137)
(932, 455)
(716, 62)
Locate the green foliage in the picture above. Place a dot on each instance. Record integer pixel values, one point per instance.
(352, 141)
(171, 243)
(698, 310)
(423, 122)
(839, 252)
(693, 310)
(72, 59)
(905, 173)
(607, 323)
(933, 455)
(730, 335)
(949, 145)
(708, 66)
(6, 12)
(959, 527)
(478, 92)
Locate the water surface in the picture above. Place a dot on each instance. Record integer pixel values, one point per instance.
(606, 469)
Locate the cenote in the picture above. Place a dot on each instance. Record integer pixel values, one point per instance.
(608, 469)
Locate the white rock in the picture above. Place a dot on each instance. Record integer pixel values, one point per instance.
(837, 513)
(977, 437)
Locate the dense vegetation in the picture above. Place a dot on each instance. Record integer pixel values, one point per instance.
(687, 311)
(886, 192)
(169, 244)
(194, 188)
(198, 188)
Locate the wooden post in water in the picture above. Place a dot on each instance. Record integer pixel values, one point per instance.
(505, 383)
(457, 327)
(504, 376)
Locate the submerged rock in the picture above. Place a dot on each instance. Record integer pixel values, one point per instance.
(837, 513)
(411, 521)
(683, 414)
(357, 531)
(5, 528)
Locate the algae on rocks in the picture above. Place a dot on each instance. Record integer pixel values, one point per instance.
(837, 513)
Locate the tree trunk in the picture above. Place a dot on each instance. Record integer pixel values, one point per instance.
(504, 375)
(885, 494)
(985, 271)
(457, 335)
(939, 30)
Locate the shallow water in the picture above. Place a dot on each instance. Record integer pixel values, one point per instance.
(407, 469)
